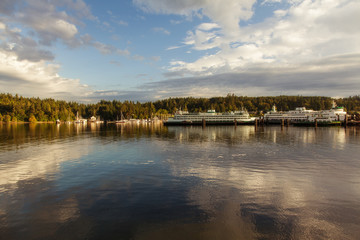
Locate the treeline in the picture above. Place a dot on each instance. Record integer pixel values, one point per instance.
(17, 108)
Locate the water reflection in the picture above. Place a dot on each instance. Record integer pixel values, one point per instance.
(37, 162)
(285, 177)
(108, 181)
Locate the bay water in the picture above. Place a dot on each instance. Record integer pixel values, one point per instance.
(149, 181)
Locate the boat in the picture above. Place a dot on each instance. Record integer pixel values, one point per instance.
(78, 120)
(332, 117)
(303, 116)
(297, 115)
(93, 119)
(133, 120)
(211, 118)
(122, 119)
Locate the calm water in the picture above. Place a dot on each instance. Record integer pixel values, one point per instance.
(156, 182)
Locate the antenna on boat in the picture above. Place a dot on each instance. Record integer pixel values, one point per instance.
(274, 108)
(333, 104)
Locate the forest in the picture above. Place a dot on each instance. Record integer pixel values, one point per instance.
(21, 109)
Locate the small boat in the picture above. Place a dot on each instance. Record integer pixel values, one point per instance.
(77, 118)
(93, 119)
(133, 120)
(122, 120)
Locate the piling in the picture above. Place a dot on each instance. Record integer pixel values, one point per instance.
(203, 122)
(346, 120)
(282, 122)
(287, 122)
(235, 122)
(316, 123)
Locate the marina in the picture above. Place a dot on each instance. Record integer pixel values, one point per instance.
(336, 116)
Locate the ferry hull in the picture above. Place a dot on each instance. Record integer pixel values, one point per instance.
(320, 124)
(209, 123)
(273, 121)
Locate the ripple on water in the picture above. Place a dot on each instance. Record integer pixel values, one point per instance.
(158, 183)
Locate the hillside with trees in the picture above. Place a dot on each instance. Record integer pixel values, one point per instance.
(18, 108)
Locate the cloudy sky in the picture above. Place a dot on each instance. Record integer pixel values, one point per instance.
(87, 50)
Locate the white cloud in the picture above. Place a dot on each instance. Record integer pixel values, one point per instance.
(116, 63)
(304, 47)
(335, 76)
(37, 79)
(49, 24)
(208, 26)
(103, 48)
(44, 18)
(203, 40)
(174, 47)
(138, 57)
(155, 58)
(122, 52)
(25, 48)
(26, 64)
(226, 13)
(307, 31)
(161, 30)
(79, 7)
(174, 22)
(121, 22)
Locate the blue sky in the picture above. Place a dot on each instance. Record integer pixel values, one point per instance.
(154, 49)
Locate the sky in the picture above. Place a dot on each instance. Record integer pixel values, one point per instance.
(145, 50)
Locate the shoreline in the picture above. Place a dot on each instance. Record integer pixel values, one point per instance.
(21, 122)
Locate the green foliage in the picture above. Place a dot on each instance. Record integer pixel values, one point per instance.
(36, 109)
(7, 118)
(351, 104)
(32, 119)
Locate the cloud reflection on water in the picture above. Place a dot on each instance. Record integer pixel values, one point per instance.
(152, 182)
(271, 176)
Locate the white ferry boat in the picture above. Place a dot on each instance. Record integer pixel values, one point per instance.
(301, 115)
(334, 116)
(210, 117)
